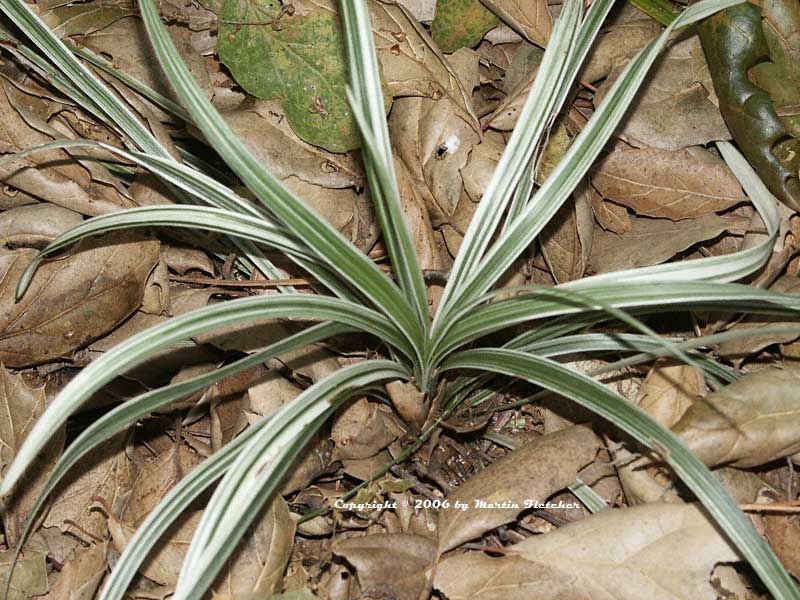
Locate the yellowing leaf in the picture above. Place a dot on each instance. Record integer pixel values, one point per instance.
(298, 58)
(460, 24)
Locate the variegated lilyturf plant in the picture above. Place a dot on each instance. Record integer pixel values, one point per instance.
(444, 357)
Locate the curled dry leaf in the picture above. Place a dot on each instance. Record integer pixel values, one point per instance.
(665, 394)
(182, 260)
(753, 49)
(626, 33)
(669, 390)
(389, 565)
(53, 176)
(611, 217)
(533, 472)
(72, 300)
(105, 472)
(412, 64)
(675, 107)
(349, 212)
(529, 18)
(654, 241)
(655, 551)
(20, 406)
(360, 430)
(264, 127)
(154, 480)
(35, 225)
(526, 64)
(260, 560)
(741, 348)
(256, 566)
(126, 42)
(681, 184)
(747, 423)
(433, 142)
(81, 575)
(567, 240)
(481, 164)
(783, 533)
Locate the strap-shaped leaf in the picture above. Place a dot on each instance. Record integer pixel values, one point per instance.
(635, 422)
(191, 217)
(576, 162)
(92, 87)
(207, 190)
(126, 414)
(139, 347)
(636, 297)
(542, 102)
(728, 267)
(260, 466)
(366, 98)
(331, 246)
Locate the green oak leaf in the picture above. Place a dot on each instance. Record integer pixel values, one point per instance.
(296, 58)
(461, 23)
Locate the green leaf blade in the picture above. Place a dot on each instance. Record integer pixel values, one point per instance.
(647, 431)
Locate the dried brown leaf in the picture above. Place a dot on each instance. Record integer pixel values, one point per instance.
(84, 187)
(30, 574)
(411, 62)
(256, 566)
(681, 184)
(747, 423)
(675, 107)
(73, 300)
(20, 406)
(532, 472)
(392, 565)
(567, 240)
(359, 430)
(655, 551)
(81, 575)
(35, 225)
(669, 390)
(653, 241)
(105, 472)
(623, 35)
(529, 18)
(264, 127)
(783, 533)
(433, 142)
